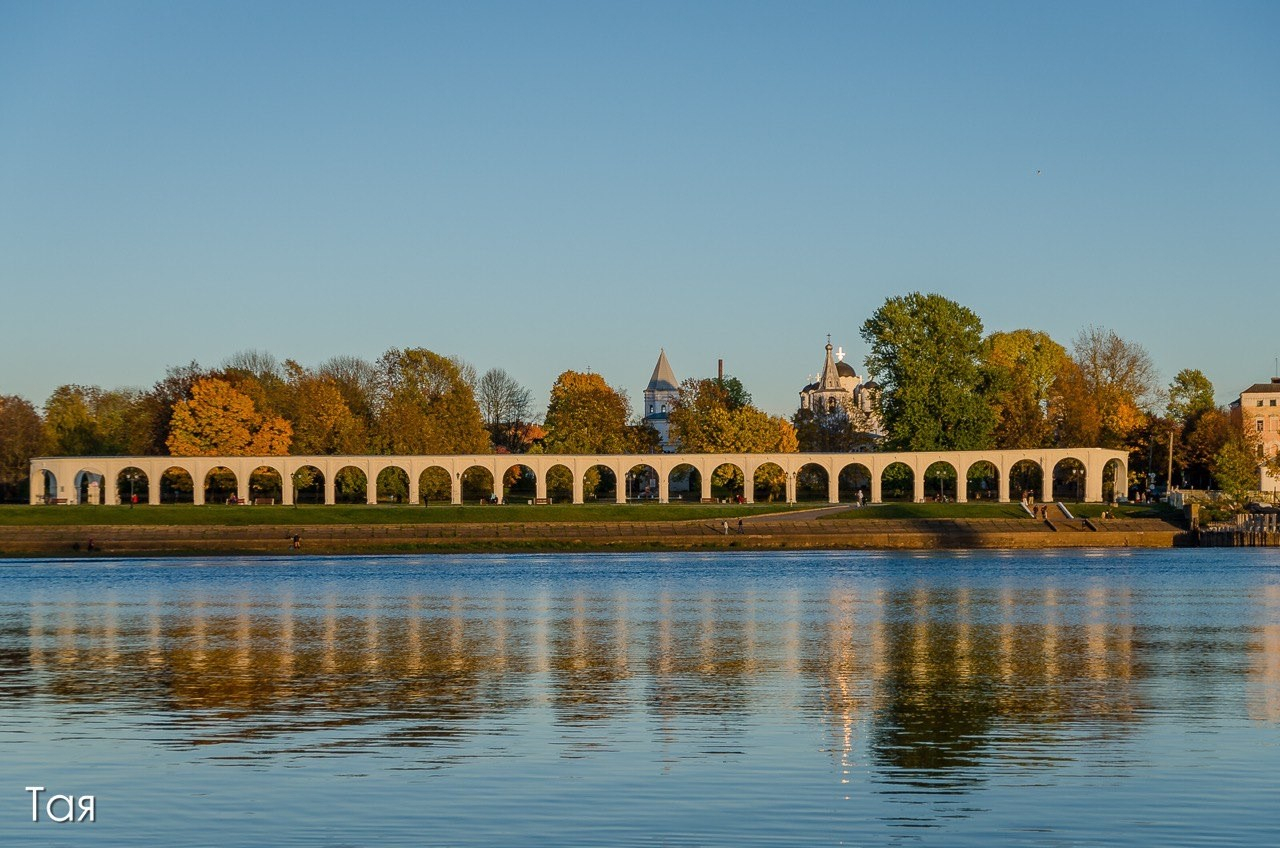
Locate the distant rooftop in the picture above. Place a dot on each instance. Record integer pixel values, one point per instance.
(1259, 388)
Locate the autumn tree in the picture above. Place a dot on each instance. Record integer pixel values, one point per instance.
(22, 437)
(505, 406)
(424, 406)
(322, 422)
(926, 353)
(1023, 367)
(710, 416)
(1103, 400)
(586, 415)
(357, 379)
(218, 420)
(259, 375)
(157, 404)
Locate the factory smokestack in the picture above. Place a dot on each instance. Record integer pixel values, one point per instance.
(720, 369)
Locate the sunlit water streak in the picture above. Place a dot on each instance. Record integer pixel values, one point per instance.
(819, 698)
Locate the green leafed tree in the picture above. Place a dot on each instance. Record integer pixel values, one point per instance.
(1235, 469)
(1190, 395)
(926, 353)
(1023, 367)
(90, 421)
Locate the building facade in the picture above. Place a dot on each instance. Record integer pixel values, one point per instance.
(1259, 409)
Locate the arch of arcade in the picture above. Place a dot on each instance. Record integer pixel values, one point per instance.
(60, 478)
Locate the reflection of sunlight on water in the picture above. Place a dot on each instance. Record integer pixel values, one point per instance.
(919, 680)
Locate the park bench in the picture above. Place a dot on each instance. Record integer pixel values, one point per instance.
(542, 500)
(55, 500)
(264, 501)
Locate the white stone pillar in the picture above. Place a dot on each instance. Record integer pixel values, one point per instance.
(917, 481)
(706, 484)
(242, 486)
(1002, 485)
(370, 487)
(455, 489)
(540, 484)
(664, 488)
(415, 494)
(791, 486)
(1046, 482)
(748, 485)
(577, 487)
(833, 486)
(286, 486)
(1093, 483)
(876, 480)
(330, 490)
(620, 489)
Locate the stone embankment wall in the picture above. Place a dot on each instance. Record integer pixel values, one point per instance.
(381, 538)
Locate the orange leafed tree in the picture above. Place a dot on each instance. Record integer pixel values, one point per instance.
(218, 420)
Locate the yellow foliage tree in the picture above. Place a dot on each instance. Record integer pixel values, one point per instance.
(218, 420)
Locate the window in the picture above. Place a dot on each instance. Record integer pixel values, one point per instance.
(1258, 423)
(1273, 401)
(1259, 401)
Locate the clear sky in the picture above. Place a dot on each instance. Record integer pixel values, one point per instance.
(542, 186)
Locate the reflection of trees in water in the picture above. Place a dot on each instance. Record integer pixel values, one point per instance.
(935, 677)
(702, 657)
(931, 680)
(589, 659)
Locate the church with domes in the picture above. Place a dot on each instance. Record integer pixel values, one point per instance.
(838, 389)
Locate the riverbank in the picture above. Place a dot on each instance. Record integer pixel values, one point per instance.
(762, 532)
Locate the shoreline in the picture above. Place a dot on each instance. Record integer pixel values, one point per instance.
(71, 542)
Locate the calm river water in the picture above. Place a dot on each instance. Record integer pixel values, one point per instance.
(1097, 698)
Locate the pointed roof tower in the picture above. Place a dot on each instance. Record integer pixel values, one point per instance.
(830, 379)
(663, 379)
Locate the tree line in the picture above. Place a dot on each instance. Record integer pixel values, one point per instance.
(944, 384)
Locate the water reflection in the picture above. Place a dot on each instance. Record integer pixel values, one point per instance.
(925, 681)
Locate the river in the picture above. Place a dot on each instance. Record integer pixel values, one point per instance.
(1104, 697)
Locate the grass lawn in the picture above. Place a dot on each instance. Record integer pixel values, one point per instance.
(186, 514)
(988, 509)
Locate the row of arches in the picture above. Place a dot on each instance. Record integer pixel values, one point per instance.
(854, 482)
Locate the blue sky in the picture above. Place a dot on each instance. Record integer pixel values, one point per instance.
(543, 186)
